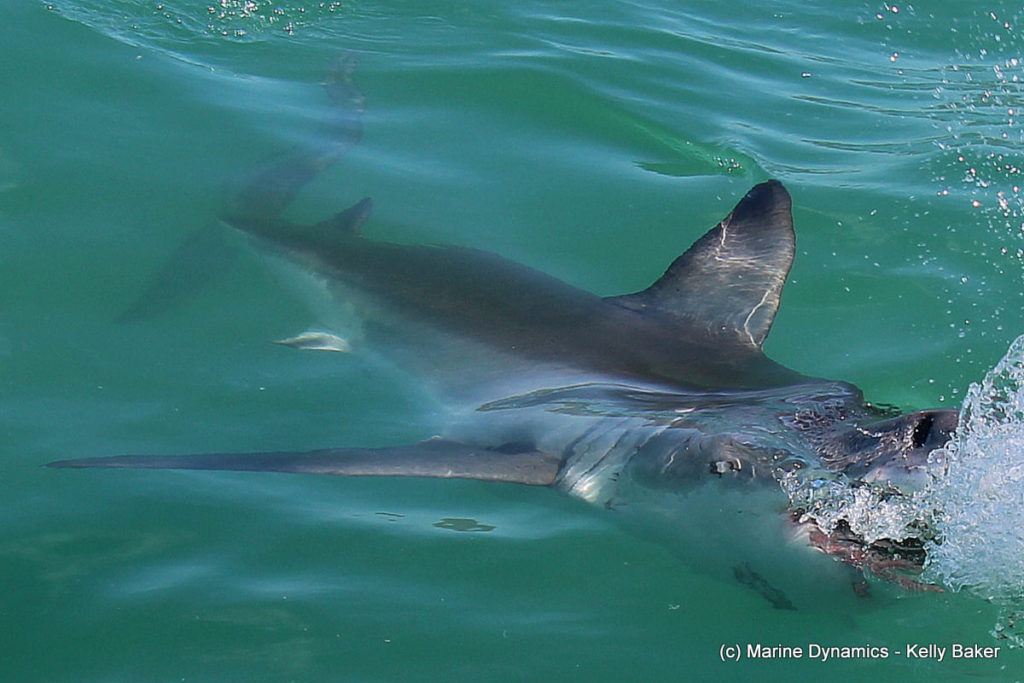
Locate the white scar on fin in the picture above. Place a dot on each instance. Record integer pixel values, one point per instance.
(316, 340)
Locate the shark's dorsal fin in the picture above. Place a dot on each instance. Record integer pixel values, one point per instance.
(731, 279)
(349, 221)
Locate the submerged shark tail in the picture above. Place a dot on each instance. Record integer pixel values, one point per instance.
(205, 256)
(436, 458)
(274, 185)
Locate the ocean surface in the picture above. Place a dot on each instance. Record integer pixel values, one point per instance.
(592, 140)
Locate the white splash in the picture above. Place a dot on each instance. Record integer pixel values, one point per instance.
(871, 511)
(970, 515)
(979, 497)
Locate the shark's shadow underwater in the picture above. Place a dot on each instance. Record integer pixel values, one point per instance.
(607, 399)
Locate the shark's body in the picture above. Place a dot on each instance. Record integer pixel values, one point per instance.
(667, 388)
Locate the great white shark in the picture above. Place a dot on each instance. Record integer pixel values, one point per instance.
(667, 389)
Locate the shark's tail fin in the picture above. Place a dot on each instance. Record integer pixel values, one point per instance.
(271, 187)
(438, 458)
(205, 256)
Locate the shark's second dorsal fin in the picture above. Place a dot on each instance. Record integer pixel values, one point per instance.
(350, 221)
(731, 279)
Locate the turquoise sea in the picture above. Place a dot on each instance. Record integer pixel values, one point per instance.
(592, 140)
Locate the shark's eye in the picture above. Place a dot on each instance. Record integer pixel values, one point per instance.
(720, 467)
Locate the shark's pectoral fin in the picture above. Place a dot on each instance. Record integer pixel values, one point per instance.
(731, 279)
(439, 458)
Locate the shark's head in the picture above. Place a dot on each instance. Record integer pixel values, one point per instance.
(861, 505)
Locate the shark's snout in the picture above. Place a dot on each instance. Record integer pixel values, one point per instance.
(904, 457)
(934, 428)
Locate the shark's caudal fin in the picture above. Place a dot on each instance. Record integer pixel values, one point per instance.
(274, 185)
(437, 458)
(206, 255)
(731, 278)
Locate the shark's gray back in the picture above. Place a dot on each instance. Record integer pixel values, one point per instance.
(442, 309)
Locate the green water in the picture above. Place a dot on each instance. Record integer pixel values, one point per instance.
(594, 141)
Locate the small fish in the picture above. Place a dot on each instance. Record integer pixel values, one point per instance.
(316, 340)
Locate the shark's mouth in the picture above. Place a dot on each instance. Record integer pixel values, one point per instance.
(864, 499)
(898, 562)
(878, 529)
